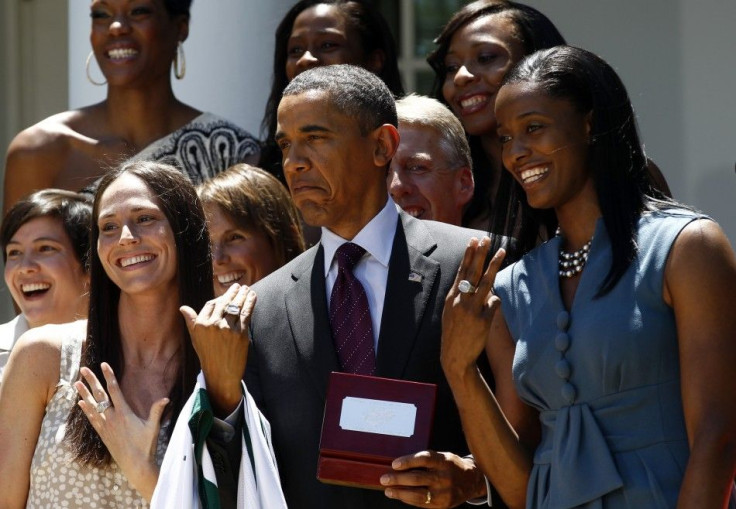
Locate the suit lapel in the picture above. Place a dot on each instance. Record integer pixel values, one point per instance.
(306, 308)
(411, 278)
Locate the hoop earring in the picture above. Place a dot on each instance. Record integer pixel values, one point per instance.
(180, 59)
(89, 76)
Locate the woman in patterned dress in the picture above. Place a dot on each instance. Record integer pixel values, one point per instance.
(135, 45)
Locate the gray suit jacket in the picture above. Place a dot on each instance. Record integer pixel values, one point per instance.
(292, 353)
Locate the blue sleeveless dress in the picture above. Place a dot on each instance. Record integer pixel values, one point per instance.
(605, 376)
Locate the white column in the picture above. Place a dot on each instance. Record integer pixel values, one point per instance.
(229, 56)
(709, 108)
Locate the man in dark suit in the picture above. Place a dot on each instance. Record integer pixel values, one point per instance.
(337, 133)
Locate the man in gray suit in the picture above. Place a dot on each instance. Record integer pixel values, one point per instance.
(337, 133)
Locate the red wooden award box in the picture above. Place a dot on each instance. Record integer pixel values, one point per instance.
(370, 421)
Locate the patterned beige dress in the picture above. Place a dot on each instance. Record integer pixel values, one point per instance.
(56, 480)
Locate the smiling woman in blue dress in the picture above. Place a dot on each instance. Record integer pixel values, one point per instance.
(617, 333)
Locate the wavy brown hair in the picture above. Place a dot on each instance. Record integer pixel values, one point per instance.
(255, 200)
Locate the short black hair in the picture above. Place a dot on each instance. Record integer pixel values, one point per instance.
(353, 91)
(177, 7)
(73, 209)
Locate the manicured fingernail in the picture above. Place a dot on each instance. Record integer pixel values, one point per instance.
(385, 479)
(396, 464)
(389, 493)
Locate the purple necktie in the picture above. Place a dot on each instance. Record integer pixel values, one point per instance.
(350, 316)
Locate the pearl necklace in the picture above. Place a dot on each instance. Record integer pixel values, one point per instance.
(572, 264)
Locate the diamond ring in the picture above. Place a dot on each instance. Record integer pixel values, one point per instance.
(102, 406)
(232, 309)
(464, 286)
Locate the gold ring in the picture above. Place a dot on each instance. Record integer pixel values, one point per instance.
(428, 500)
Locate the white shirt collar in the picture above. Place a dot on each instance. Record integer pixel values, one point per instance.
(373, 237)
(11, 331)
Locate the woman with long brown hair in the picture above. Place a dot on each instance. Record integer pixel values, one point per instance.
(97, 440)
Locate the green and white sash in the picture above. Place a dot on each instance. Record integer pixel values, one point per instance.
(187, 478)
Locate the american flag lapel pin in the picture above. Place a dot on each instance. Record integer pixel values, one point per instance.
(415, 277)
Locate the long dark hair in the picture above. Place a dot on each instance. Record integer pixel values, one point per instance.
(536, 32)
(616, 156)
(181, 206)
(366, 21)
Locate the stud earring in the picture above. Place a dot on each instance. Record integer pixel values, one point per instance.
(89, 76)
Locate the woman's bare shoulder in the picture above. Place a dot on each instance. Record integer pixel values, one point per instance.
(56, 152)
(44, 343)
(36, 357)
(53, 134)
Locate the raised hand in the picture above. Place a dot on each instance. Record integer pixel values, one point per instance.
(130, 439)
(434, 479)
(220, 337)
(469, 307)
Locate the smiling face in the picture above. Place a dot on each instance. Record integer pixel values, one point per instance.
(135, 41)
(479, 56)
(321, 36)
(424, 180)
(136, 244)
(239, 255)
(545, 146)
(43, 273)
(335, 174)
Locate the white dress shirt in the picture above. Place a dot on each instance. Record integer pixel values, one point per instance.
(377, 238)
(9, 334)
